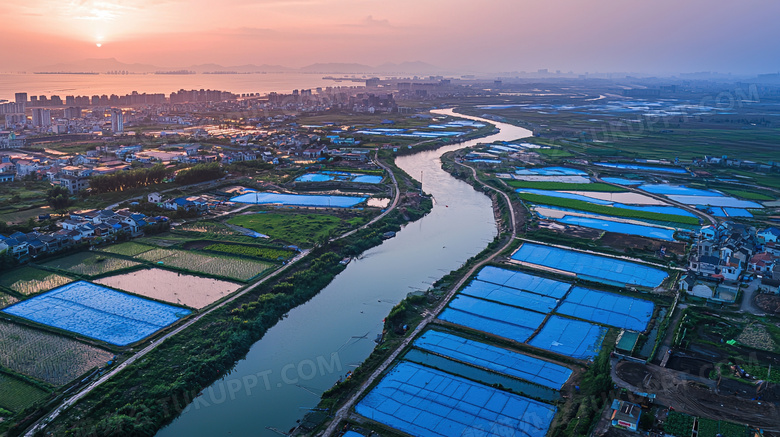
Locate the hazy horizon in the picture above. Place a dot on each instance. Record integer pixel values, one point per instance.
(661, 37)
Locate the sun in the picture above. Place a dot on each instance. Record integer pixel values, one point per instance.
(99, 44)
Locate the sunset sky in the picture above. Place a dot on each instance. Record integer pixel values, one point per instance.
(657, 36)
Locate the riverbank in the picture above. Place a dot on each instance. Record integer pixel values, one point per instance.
(153, 391)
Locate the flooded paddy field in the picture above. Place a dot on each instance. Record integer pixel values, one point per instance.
(159, 284)
(48, 357)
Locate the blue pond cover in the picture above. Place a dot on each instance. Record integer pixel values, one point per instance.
(622, 181)
(737, 212)
(495, 358)
(676, 189)
(600, 268)
(510, 296)
(524, 281)
(607, 308)
(622, 228)
(299, 199)
(325, 176)
(551, 171)
(573, 338)
(714, 201)
(98, 312)
(642, 167)
(504, 321)
(426, 402)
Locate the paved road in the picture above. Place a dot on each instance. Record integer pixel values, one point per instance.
(389, 209)
(749, 293)
(344, 411)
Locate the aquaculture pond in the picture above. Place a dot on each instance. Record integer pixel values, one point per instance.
(262, 198)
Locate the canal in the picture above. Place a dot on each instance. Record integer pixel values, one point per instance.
(285, 373)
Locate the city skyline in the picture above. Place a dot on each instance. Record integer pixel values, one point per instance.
(602, 35)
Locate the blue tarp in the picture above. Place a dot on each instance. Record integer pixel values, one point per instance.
(495, 358)
(623, 228)
(569, 337)
(524, 281)
(622, 181)
(501, 320)
(642, 167)
(510, 296)
(299, 199)
(714, 201)
(422, 401)
(610, 269)
(737, 212)
(98, 312)
(677, 189)
(551, 171)
(325, 176)
(607, 308)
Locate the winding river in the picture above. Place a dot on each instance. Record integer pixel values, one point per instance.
(285, 373)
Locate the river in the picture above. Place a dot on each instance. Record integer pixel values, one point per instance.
(285, 373)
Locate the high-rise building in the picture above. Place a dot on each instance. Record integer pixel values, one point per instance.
(41, 117)
(72, 113)
(117, 120)
(21, 101)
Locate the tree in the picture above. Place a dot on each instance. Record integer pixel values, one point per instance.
(58, 198)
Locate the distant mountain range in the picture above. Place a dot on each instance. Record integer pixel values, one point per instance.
(112, 64)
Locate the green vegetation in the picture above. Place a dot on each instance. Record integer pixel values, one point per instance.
(29, 280)
(129, 248)
(17, 394)
(89, 264)
(253, 251)
(711, 428)
(563, 186)
(47, 357)
(584, 408)
(297, 228)
(59, 198)
(606, 210)
(241, 269)
(200, 173)
(7, 300)
(124, 180)
(554, 153)
(750, 195)
(678, 424)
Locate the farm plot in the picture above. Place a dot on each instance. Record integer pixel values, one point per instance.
(6, 300)
(495, 358)
(497, 319)
(524, 281)
(29, 280)
(607, 308)
(422, 401)
(129, 248)
(227, 267)
(48, 357)
(16, 394)
(267, 253)
(98, 312)
(593, 267)
(510, 296)
(182, 289)
(90, 264)
(570, 337)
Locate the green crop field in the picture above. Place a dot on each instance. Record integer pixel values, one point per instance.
(563, 186)
(554, 153)
(90, 264)
(300, 229)
(241, 269)
(750, 195)
(678, 424)
(254, 251)
(47, 357)
(606, 210)
(16, 394)
(711, 428)
(128, 249)
(29, 280)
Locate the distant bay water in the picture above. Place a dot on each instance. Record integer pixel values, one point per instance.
(99, 84)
